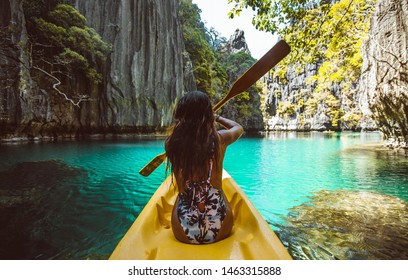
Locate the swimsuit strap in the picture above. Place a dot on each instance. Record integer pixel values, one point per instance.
(209, 171)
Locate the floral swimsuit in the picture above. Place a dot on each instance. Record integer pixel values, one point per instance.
(201, 210)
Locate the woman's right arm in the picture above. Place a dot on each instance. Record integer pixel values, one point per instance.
(232, 133)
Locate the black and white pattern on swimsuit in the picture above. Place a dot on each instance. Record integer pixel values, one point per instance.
(201, 227)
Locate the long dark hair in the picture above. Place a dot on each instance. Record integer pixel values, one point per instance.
(193, 138)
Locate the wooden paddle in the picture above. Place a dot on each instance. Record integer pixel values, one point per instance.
(246, 80)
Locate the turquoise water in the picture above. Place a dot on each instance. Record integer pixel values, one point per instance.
(75, 200)
(280, 170)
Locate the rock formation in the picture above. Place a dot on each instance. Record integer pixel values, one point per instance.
(290, 91)
(237, 43)
(385, 72)
(142, 79)
(144, 76)
(286, 99)
(18, 102)
(148, 70)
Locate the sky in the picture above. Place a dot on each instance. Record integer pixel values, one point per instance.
(215, 14)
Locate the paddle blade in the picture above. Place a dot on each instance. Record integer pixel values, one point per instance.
(257, 71)
(152, 165)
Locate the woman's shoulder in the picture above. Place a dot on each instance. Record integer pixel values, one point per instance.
(232, 132)
(229, 136)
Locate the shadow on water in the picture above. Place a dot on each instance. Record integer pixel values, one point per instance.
(344, 224)
(31, 195)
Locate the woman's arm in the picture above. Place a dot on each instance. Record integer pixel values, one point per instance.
(232, 133)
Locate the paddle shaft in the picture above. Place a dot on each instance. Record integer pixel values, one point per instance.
(253, 74)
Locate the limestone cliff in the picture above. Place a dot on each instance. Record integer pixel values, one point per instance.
(237, 43)
(385, 71)
(380, 96)
(288, 105)
(144, 76)
(142, 79)
(18, 99)
(285, 94)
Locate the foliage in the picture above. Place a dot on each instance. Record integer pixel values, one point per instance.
(215, 39)
(329, 32)
(197, 45)
(312, 27)
(66, 16)
(351, 118)
(236, 64)
(286, 109)
(61, 40)
(333, 108)
(246, 104)
(311, 106)
(215, 69)
(38, 8)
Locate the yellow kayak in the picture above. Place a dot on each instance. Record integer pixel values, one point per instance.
(150, 237)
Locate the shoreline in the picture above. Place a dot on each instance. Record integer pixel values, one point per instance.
(141, 136)
(71, 138)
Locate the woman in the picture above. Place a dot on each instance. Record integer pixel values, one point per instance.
(195, 150)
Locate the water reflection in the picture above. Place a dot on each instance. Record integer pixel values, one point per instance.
(345, 224)
(276, 135)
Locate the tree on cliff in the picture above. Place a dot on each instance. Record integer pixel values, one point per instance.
(63, 47)
(331, 32)
(197, 45)
(245, 108)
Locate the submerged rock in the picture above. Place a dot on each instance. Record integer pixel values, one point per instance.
(26, 180)
(345, 224)
(31, 196)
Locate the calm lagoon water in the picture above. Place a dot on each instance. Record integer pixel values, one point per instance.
(75, 200)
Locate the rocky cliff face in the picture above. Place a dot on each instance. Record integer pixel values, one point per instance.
(18, 101)
(385, 70)
(145, 72)
(290, 104)
(142, 79)
(237, 43)
(285, 95)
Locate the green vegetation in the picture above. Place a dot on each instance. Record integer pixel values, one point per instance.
(62, 45)
(350, 119)
(214, 69)
(197, 45)
(314, 29)
(311, 106)
(330, 32)
(245, 108)
(286, 109)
